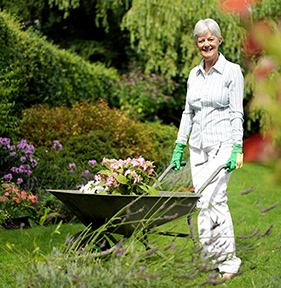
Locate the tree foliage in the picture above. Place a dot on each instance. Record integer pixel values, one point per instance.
(161, 31)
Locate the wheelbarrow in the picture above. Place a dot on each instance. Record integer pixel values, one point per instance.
(125, 214)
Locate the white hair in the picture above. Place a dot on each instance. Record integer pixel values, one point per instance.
(204, 26)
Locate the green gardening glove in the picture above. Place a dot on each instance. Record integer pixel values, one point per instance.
(235, 160)
(177, 155)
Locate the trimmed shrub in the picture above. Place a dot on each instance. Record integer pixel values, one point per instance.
(95, 145)
(103, 130)
(35, 71)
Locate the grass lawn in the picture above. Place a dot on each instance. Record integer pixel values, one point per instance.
(258, 242)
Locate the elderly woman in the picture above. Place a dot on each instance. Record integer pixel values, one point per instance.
(213, 117)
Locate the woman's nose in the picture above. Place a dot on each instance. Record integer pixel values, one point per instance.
(206, 43)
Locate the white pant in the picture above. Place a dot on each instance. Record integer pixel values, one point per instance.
(215, 226)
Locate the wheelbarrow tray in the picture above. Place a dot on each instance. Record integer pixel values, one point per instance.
(127, 212)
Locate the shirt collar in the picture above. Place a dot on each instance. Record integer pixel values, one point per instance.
(219, 66)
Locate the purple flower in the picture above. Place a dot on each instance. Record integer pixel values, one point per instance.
(67, 239)
(72, 165)
(22, 159)
(86, 173)
(5, 141)
(93, 163)
(8, 177)
(33, 161)
(142, 268)
(27, 167)
(213, 276)
(19, 181)
(15, 169)
(57, 144)
(21, 169)
(13, 153)
(28, 172)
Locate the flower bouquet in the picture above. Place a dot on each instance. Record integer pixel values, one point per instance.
(123, 177)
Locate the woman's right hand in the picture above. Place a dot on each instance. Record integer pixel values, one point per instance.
(177, 156)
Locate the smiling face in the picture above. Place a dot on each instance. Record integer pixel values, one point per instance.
(207, 45)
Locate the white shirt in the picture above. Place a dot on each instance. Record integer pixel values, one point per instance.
(214, 105)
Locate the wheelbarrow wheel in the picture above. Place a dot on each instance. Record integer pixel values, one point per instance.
(85, 241)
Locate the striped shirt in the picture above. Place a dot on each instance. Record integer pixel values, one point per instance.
(214, 105)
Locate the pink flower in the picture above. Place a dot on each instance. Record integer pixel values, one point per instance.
(150, 170)
(134, 174)
(127, 172)
(104, 161)
(110, 181)
(98, 178)
(128, 160)
(137, 179)
(114, 164)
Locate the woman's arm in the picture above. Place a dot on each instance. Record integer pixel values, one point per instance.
(236, 104)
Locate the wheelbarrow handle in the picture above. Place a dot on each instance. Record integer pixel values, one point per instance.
(163, 175)
(183, 163)
(209, 180)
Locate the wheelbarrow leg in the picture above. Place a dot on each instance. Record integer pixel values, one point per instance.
(192, 230)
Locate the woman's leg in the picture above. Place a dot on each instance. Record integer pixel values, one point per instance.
(215, 226)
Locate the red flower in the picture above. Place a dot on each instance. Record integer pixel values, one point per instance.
(267, 65)
(253, 44)
(17, 200)
(240, 7)
(23, 195)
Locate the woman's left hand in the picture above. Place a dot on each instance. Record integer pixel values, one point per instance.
(235, 160)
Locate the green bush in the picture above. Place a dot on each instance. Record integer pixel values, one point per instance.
(58, 170)
(96, 145)
(35, 71)
(93, 130)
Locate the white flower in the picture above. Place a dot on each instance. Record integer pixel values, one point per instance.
(94, 187)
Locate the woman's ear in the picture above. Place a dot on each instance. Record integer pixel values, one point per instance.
(195, 43)
(220, 40)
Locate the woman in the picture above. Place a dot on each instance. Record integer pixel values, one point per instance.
(214, 116)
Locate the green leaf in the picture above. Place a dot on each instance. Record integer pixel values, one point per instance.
(152, 191)
(121, 179)
(116, 192)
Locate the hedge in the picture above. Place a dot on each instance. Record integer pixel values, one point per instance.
(34, 71)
